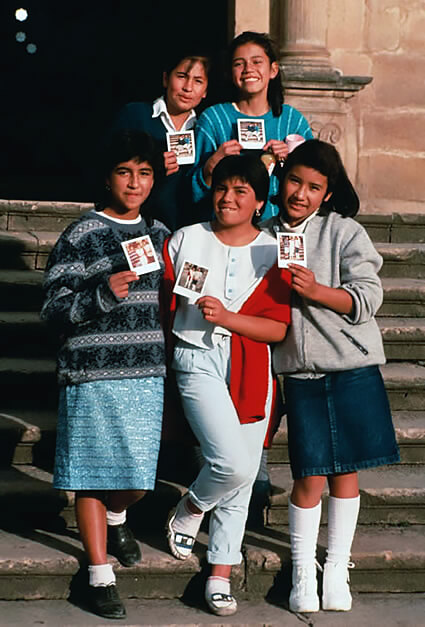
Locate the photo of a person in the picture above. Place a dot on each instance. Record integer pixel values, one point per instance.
(291, 249)
(140, 255)
(191, 280)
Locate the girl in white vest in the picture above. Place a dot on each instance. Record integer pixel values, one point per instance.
(339, 419)
(223, 366)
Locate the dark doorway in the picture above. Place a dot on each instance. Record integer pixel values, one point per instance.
(91, 57)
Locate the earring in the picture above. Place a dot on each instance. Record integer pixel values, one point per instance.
(107, 187)
(257, 213)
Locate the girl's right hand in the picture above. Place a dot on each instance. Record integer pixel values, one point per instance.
(170, 163)
(231, 147)
(119, 282)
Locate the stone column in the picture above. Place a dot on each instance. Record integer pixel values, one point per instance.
(302, 33)
(322, 93)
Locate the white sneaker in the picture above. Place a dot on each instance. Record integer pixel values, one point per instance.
(304, 597)
(336, 589)
(221, 604)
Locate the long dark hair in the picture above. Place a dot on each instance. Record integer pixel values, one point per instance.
(248, 168)
(125, 145)
(324, 158)
(275, 91)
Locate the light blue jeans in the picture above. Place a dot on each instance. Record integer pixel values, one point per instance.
(232, 451)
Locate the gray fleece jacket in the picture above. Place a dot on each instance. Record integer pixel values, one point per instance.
(319, 340)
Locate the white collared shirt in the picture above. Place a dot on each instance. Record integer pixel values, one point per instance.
(160, 110)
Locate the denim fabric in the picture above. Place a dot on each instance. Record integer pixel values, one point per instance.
(339, 423)
(232, 451)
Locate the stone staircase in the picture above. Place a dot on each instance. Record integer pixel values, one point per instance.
(39, 546)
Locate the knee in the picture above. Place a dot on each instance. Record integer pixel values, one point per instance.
(235, 472)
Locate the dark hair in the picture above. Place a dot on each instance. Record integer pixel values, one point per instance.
(125, 145)
(275, 92)
(181, 55)
(248, 168)
(324, 158)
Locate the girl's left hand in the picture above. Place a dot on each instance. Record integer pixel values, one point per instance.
(170, 163)
(212, 309)
(303, 281)
(278, 148)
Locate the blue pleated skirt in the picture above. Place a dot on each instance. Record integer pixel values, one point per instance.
(108, 435)
(339, 423)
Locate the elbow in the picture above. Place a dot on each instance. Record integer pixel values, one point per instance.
(280, 334)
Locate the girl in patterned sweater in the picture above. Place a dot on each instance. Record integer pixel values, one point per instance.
(111, 363)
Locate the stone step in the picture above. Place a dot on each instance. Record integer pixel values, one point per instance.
(27, 497)
(394, 227)
(32, 381)
(42, 564)
(27, 215)
(23, 334)
(28, 436)
(409, 427)
(404, 338)
(21, 290)
(30, 250)
(389, 495)
(402, 260)
(403, 297)
(26, 250)
(405, 384)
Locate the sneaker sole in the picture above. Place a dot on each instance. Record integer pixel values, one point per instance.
(170, 538)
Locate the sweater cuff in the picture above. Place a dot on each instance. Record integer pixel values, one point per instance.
(105, 297)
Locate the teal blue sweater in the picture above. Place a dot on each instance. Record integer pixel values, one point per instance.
(218, 124)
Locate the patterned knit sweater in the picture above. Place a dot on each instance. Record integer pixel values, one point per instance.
(104, 337)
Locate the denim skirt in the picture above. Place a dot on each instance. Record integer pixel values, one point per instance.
(339, 423)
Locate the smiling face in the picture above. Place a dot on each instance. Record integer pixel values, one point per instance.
(131, 183)
(186, 85)
(235, 202)
(303, 191)
(252, 69)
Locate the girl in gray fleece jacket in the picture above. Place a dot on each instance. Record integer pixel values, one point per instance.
(338, 414)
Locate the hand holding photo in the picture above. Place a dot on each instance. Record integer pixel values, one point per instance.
(191, 280)
(291, 249)
(251, 133)
(140, 254)
(183, 145)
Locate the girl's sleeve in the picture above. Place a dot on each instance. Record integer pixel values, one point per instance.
(359, 267)
(70, 297)
(206, 143)
(297, 124)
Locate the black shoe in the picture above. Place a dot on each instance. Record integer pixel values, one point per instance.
(123, 545)
(105, 601)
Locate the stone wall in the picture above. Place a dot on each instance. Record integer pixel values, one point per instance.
(385, 39)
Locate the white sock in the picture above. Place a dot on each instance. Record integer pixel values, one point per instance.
(217, 584)
(342, 522)
(304, 528)
(101, 575)
(116, 518)
(185, 521)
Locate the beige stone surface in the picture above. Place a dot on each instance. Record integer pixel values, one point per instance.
(345, 24)
(252, 15)
(397, 131)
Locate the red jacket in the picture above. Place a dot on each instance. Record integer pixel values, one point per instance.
(249, 358)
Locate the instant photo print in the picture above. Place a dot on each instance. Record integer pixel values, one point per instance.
(251, 133)
(191, 280)
(183, 145)
(140, 254)
(291, 249)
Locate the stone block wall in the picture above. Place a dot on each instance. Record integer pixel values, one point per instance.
(385, 39)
